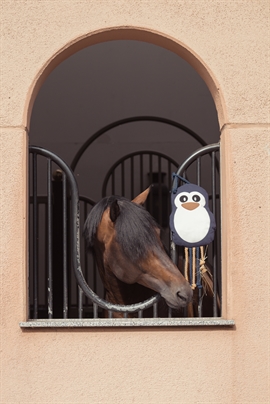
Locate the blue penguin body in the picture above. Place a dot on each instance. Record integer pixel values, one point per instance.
(191, 221)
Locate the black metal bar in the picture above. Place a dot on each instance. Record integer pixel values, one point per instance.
(132, 191)
(198, 167)
(150, 197)
(95, 310)
(113, 182)
(141, 173)
(199, 282)
(95, 276)
(46, 276)
(50, 246)
(89, 277)
(30, 246)
(80, 305)
(213, 190)
(155, 310)
(35, 239)
(65, 275)
(86, 264)
(123, 178)
(58, 243)
(169, 179)
(160, 199)
(169, 182)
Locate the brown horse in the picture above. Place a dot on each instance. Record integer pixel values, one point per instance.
(130, 256)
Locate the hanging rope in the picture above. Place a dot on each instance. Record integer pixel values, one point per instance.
(186, 263)
(192, 265)
(207, 278)
(193, 284)
(204, 274)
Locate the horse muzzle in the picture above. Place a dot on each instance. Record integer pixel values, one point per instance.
(181, 298)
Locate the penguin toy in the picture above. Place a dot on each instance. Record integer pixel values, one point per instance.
(191, 221)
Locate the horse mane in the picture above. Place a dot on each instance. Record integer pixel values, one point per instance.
(135, 227)
(93, 220)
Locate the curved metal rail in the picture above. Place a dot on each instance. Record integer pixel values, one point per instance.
(112, 125)
(208, 149)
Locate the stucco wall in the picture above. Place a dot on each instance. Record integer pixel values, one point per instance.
(227, 42)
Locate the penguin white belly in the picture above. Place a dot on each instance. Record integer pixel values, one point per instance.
(192, 225)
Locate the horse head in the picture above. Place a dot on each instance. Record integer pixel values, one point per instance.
(126, 241)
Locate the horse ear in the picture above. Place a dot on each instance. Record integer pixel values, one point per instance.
(140, 199)
(114, 211)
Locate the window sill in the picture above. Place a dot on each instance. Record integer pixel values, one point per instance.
(129, 322)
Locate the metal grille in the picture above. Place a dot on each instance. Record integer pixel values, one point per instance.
(56, 216)
(202, 168)
(53, 235)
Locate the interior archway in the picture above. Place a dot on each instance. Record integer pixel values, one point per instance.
(115, 80)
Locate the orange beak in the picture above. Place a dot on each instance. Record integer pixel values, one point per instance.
(190, 205)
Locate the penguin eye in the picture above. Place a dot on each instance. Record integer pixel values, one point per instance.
(183, 198)
(196, 198)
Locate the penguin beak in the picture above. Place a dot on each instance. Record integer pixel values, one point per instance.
(190, 205)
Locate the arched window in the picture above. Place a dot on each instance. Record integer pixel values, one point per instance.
(60, 126)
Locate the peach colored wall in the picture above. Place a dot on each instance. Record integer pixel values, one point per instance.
(228, 43)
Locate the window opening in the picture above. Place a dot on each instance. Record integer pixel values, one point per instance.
(61, 296)
(54, 294)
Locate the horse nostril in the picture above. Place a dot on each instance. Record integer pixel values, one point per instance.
(182, 297)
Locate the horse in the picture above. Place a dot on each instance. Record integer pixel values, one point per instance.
(130, 256)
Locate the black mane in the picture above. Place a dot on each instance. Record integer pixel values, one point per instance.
(135, 227)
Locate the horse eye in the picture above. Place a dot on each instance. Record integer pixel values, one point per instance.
(183, 198)
(196, 198)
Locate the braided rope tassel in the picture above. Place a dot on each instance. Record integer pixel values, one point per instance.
(186, 263)
(193, 267)
(206, 275)
(193, 284)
